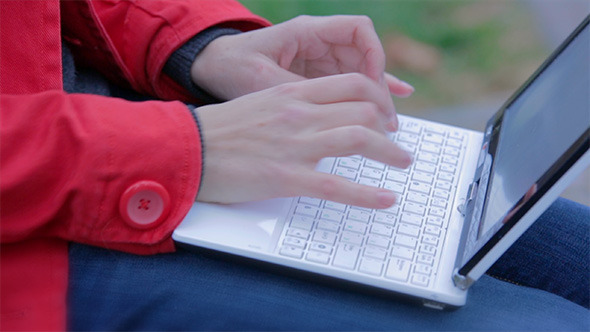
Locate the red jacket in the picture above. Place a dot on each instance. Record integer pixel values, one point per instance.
(91, 169)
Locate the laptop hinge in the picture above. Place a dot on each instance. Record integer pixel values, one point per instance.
(471, 194)
(461, 281)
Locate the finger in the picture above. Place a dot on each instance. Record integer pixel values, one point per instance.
(343, 88)
(359, 32)
(337, 189)
(345, 114)
(398, 87)
(393, 123)
(353, 140)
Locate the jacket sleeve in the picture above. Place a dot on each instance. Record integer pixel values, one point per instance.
(130, 41)
(68, 163)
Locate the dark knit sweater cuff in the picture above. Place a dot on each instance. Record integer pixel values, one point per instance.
(178, 66)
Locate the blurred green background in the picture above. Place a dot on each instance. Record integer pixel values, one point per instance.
(452, 51)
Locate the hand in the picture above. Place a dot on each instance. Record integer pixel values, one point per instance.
(267, 144)
(302, 48)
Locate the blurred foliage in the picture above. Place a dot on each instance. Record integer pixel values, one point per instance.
(481, 47)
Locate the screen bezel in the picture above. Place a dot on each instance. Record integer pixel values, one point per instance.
(545, 182)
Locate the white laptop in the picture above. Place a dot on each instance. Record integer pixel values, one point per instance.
(465, 200)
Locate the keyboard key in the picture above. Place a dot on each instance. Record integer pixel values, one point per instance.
(410, 127)
(328, 225)
(409, 147)
(437, 212)
(410, 218)
(382, 229)
(355, 226)
(318, 257)
(369, 182)
(378, 240)
(418, 209)
(445, 185)
(430, 239)
(451, 151)
(434, 138)
(406, 241)
(428, 249)
(450, 160)
(423, 269)
(335, 206)
(441, 193)
(375, 252)
(456, 135)
(396, 187)
(408, 137)
(375, 164)
(322, 247)
(397, 176)
(437, 221)
(425, 167)
(325, 237)
(445, 167)
(359, 215)
(417, 197)
(370, 266)
(420, 187)
(439, 202)
(331, 215)
(398, 269)
(306, 210)
(352, 163)
(420, 280)
(346, 256)
(431, 229)
(352, 238)
(425, 259)
(310, 201)
(430, 147)
(386, 218)
(402, 252)
(393, 209)
(407, 229)
(302, 222)
(295, 242)
(347, 173)
(445, 176)
(403, 170)
(372, 173)
(299, 233)
(454, 143)
(427, 157)
(291, 251)
(427, 178)
(436, 130)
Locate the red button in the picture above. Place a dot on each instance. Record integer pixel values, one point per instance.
(145, 204)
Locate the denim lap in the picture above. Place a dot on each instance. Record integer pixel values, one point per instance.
(191, 291)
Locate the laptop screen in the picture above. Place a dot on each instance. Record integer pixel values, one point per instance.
(532, 134)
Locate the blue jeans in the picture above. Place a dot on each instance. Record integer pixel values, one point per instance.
(541, 283)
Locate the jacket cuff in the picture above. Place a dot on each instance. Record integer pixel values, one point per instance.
(178, 66)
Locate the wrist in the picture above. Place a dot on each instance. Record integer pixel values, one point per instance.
(179, 65)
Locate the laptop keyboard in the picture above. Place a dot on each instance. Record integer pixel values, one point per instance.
(401, 243)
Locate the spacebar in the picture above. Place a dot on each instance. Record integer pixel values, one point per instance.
(346, 256)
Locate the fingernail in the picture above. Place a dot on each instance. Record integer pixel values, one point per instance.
(407, 85)
(386, 198)
(407, 159)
